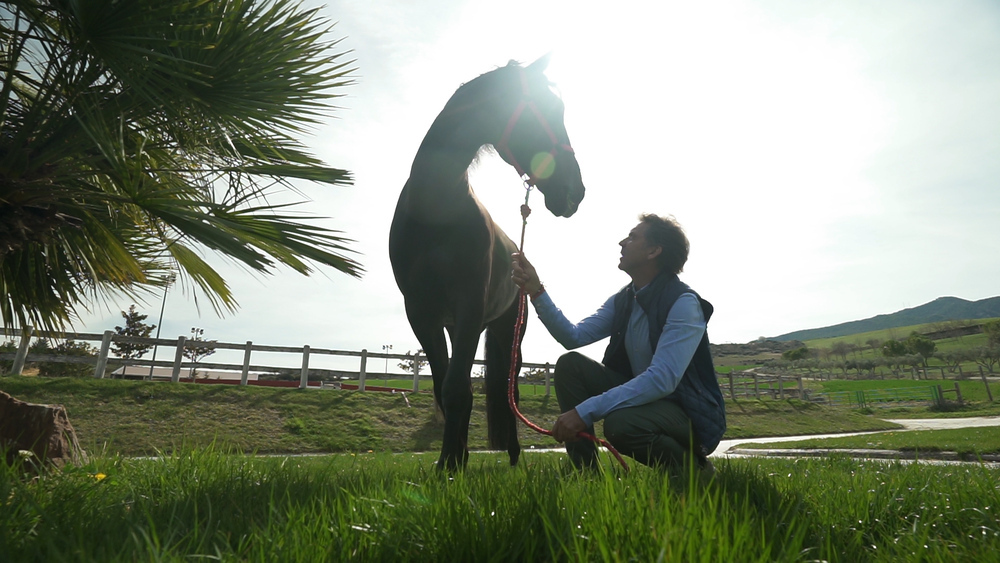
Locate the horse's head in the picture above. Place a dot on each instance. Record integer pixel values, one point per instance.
(535, 141)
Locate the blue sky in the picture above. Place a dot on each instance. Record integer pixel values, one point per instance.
(829, 162)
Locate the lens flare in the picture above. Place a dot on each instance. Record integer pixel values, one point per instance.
(543, 165)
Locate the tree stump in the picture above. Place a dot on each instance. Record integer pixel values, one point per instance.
(43, 430)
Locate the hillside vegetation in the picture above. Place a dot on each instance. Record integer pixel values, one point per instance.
(941, 310)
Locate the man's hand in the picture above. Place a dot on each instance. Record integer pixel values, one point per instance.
(524, 275)
(567, 426)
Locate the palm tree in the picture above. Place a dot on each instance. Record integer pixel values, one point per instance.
(137, 136)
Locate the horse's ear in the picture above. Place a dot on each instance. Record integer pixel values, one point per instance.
(541, 64)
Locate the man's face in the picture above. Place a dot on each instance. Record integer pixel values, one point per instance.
(636, 252)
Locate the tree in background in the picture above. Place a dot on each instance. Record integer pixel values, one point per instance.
(895, 353)
(955, 358)
(893, 348)
(135, 327)
(197, 349)
(988, 356)
(992, 331)
(840, 348)
(534, 375)
(7, 347)
(796, 354)
(44, 347)
(137, 135)
(875, 344)
(407, 365)
(920, 345)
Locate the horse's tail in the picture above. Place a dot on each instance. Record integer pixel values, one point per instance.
(501, 424)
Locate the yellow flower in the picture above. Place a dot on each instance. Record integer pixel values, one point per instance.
(98, 476)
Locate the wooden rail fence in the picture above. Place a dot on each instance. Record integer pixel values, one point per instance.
(178, 364)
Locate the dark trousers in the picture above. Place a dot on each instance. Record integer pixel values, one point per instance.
(655, 434)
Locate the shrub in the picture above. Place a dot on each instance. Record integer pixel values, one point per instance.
(67, 348)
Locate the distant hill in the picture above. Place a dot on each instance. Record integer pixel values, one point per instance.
(939, 310)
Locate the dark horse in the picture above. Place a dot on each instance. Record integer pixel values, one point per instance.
(452, 262)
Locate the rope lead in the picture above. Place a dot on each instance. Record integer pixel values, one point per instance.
(515, 353)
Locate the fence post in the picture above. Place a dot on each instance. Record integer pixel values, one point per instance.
(175, 374)
(548, 379)
(801, 390)
(756, 386)
(304, 378)
(781, 390)
(862, 403)
(364, 369)
(22, 351)
(732, 391)
(416, 371)
(958, 393)
(246, 363)
(102, 359)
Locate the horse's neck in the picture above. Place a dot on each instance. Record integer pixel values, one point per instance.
(439, 182)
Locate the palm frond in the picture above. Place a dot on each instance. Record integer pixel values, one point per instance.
(134, 135)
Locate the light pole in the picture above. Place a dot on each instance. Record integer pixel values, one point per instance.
(386, 348)
(170, 279)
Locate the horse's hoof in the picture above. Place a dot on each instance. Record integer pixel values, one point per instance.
(452, 463)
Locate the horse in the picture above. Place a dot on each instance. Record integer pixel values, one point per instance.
(452, 262)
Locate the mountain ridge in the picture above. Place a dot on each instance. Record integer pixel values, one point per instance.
(939, 310)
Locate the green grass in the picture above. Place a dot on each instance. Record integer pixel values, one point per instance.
(973, 394)
(383, 507)
(964, 441)
(141, 418)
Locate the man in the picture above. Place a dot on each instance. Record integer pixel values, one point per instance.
(655, 389)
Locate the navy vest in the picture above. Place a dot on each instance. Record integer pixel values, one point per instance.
(698, 391)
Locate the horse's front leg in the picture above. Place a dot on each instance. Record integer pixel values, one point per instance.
(502, 425)
(456, 392)
(430, 334)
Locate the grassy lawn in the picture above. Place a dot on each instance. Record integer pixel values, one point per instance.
(206, 505)
(202, 501)
(139, 418)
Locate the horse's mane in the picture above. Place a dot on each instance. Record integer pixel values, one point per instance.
(473, 87)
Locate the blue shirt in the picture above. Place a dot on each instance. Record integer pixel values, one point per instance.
(656, 372)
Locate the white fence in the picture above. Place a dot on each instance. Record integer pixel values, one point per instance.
(21, 357)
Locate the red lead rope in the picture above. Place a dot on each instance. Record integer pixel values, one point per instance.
(515, 353)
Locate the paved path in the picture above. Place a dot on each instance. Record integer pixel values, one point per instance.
(945, 423)
(730, 448)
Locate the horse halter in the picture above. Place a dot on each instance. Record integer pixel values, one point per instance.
(503, 147)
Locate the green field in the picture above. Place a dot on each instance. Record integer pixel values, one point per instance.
(206, 505)
(976, 401)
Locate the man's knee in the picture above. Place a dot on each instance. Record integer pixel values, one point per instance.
(620, 431)
(567, 366)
